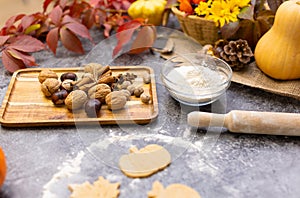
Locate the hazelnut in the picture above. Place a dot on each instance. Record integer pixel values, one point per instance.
(68, 75)
(59, 97)
(99, 92)
(76, 99)
(145, 98)
(115, 100)
(67, 85)
(92, 107)
(50, 86)
(138, 91)
(46, 73)
(146, 78)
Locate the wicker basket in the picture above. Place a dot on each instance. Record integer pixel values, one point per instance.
(202, 30)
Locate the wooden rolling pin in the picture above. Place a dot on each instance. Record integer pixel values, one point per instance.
(255, 122)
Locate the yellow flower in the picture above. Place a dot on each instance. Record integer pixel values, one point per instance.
(202, 9)
(222, 12)
(241, 3)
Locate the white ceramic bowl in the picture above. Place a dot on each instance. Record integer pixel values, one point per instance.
(196, 79)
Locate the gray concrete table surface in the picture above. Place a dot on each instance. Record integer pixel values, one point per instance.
(43, 161)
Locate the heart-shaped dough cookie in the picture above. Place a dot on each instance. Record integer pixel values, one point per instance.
(144, 162)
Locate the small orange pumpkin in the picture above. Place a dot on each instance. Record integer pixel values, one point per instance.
(2, 167)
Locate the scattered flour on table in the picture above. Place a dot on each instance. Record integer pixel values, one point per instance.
(176, 145)
(68, 169)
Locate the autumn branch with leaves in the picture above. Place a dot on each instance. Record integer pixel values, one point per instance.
(68, 22)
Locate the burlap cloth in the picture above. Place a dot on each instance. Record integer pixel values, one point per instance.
(250, 76)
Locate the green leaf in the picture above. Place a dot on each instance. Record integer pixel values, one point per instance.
(32, 28)
(247, 13)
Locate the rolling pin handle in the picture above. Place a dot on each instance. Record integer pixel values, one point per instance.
(204, 119)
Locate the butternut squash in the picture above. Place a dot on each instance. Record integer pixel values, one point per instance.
(277, 53)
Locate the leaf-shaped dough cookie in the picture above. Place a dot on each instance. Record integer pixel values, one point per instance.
(100, 188)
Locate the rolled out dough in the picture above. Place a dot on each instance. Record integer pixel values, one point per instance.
(144, 162)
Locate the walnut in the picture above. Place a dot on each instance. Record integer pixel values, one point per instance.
(50, 86)
(46, 73)
(115, 100)
(99, 92)
(76, 99)
(126, 93)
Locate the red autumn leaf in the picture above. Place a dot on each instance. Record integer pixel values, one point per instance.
(70, 41)
(56, 15)
(27, 43)
(78, 9)
(46, 4)
(27, 21)
(77, 28)
(144, 40)
(117, 5)
(125, 5)
(10, 63)
(10, 22)
(124, 34)
(136, 23)
(52, 39)
(25, 57)
(88, 18)
(3, 39)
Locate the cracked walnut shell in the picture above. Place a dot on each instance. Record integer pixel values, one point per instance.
(99, 92)
(46, 73)
(76, 99)
(50, 86)
(115, 100)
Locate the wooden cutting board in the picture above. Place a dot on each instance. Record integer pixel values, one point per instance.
(25, 105)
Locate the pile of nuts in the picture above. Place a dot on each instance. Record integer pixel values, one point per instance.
(96, 87)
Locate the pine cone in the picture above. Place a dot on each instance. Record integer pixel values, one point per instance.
(236, 53)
